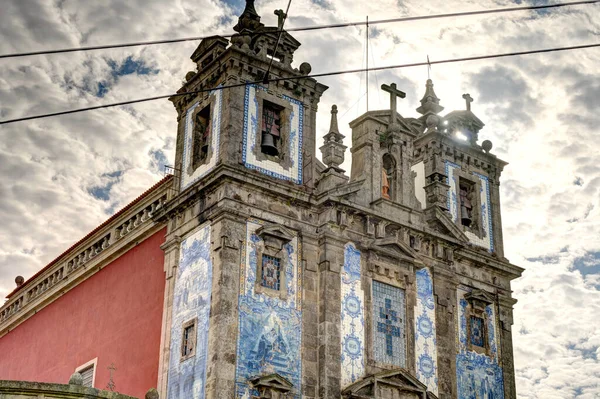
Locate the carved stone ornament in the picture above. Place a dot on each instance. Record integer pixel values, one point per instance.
(275, 236)
(394, 384)
(479, 299)
(272, 386)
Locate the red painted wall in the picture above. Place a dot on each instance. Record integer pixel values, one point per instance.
(115, 315)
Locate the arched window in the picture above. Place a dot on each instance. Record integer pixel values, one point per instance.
(388, 177)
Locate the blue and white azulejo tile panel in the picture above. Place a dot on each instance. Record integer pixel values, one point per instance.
(191, 300)
(270, 328)
(389, 324)
(487, 241)
(252, 121)
(187, 178)
(352, 318)
(425, 332)
(477, 375)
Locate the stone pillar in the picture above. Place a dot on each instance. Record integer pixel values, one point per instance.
(171, 249)
(330, 263)
(444, 288)
(228, 234)
(310, 317)
(496, 216)
(506, 346)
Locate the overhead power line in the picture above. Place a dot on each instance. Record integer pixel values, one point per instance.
(317, 75)
(307, 28)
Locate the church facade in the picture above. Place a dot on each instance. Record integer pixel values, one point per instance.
(285, 276)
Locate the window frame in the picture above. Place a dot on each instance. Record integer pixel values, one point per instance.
(91, 364)
(206, 102)
(472, 180)
(285, 114)
(373, 321)
(193, 322)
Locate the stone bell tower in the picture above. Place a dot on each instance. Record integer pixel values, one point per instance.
(245, 173)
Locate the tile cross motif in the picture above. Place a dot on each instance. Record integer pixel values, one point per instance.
(389, 316)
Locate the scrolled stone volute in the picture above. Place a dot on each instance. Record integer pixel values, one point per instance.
(76, 379)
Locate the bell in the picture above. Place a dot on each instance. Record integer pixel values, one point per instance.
(465, 219)
(268, 145)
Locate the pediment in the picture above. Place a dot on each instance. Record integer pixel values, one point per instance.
(272, 381)
(275, 235)
(395, 247)
(440, 221)
(398, 383)
(481, 296)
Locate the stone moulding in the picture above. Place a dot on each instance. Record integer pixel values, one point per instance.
(38, 390)
(85, 258)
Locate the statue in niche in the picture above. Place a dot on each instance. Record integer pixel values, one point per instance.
(388, 182)
(385, 185)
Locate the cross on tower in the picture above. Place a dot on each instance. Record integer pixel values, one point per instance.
(281, 16)
(386, 327)
(469, 100)
(394, 92)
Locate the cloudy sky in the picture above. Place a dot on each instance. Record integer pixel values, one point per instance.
(63, 176)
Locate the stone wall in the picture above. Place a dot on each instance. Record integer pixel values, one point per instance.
(38, 390)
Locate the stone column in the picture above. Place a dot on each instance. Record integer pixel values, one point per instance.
(330, 263)
(310, 316)
(171, 249)
(444, 288)
(506, 346)
(228, 234)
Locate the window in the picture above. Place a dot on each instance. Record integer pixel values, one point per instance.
(87, 372)
(477, 332)
(188, 340)
(389, 344)
(202, 137)
(271, 129)
(88, 376)
(271, 271)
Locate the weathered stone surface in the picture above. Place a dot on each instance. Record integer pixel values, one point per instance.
(38, 390)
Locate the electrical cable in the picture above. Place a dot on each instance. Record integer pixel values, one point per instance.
(317, 75)
(306, 28)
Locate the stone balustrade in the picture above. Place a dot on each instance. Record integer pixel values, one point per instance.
(56, 277)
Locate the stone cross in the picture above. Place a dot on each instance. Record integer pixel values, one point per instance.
(469, 100)
(394, 92)
(281, 16)
(111, 384)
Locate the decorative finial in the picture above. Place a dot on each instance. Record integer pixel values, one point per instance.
(430, 103)
(333, 126)
(19, 280)
(487, 146)
(249, 18)
(152, 394)
(468, 99)
(76, 379)
(333, 148)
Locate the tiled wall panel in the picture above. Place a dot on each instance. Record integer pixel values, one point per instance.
(477, 375)
(191, 299)
(453, 204)
(187, 179)
(252, 121)
(270, 328)
(352, 317)
(425, 332)
(389, 324)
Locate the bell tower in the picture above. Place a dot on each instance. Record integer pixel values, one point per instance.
(245, 172)
(236, 115)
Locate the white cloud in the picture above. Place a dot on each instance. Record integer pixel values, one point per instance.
(540, 111)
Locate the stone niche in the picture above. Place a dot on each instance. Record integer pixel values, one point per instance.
(394, 384)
